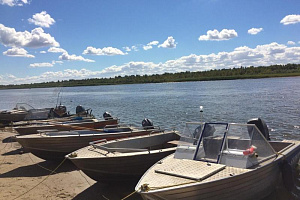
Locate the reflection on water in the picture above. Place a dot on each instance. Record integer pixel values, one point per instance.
(276, 100)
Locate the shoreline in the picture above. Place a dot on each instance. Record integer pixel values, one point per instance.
(222, 78)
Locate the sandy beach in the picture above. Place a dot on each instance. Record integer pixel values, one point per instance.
(25, 176)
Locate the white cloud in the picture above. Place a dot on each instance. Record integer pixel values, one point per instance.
(254, 31)
(34, 39)
(43, 52)
(56, 50)
(147, 47)
(14, 2)
(225, 34)
(290, 19)
(42, 19)
(153, 43)
(106, 51)
(134, 48)
(73, 57)
(150, 45)
(169, 43)
(35, 65)
(291, 43)
(261, 55)
(17, 52)
(45, 64)
(127, 49)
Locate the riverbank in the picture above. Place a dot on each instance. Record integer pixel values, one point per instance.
(272, 71)
(25, 176)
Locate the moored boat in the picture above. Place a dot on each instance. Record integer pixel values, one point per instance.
(123, 159)
(23, 111)
(71, 124)
(221, 161)
(55, 145)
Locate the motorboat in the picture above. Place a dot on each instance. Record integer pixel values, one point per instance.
(73, 123)
(54, 145)
(124, 159)
(23, 111)
(222, 161)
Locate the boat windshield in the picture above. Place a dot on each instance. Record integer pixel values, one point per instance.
(187, 144)
(23, 106)
(237, 145)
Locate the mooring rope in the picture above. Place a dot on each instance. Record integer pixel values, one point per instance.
(39, 164)
(41, 180)
(129, 195)
(83, 176)
(9, 141)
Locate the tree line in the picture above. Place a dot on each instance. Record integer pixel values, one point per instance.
(216, 74)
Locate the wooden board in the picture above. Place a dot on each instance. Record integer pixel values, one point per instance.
(189, 169)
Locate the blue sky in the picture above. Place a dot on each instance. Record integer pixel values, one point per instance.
(59, 40)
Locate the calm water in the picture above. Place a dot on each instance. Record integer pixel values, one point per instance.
(276, 100)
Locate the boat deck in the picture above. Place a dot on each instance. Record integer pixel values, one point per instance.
(168, 174)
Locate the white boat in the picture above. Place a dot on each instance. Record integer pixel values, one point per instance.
(123, 159)
(221, 161)
(23, 111)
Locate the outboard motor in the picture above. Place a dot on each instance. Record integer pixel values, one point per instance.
(147, 124)
(58, 111)
(261, 125)
(80, 110)
(107, 116)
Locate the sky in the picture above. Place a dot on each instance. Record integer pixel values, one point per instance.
(43, 40)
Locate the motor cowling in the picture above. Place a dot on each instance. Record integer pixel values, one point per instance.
(147, 124)
(261, 125)
(107, 116)
(80, 109)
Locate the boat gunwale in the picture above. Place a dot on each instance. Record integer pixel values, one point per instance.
(127, 154)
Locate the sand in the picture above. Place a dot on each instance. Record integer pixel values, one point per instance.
(25, 176)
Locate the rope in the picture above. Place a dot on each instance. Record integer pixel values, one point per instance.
(129, 195)
(5, 145)
(39, 164)
(145, 187)
(84, 177)
(41, 180)
(9, 141)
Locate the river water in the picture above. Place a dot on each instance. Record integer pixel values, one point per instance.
(170, 105)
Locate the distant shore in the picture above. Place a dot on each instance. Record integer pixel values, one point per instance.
(272, 71)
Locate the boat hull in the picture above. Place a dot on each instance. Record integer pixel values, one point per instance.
(12, 117)
(32, 129)
(255, 184)
(252, 185)
(56, 147)
(118, 169)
